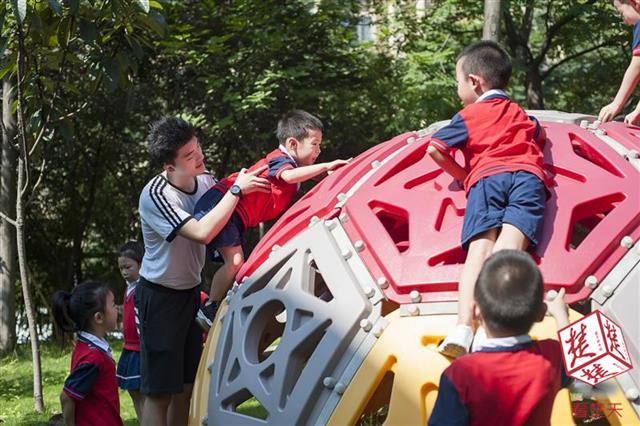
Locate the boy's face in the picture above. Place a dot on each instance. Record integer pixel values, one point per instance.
(129, 269)
(468, 85)
(629, 13)
(307, 150)
(189, 160)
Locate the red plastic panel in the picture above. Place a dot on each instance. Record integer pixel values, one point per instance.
(628, 136)
(320, 201)
(410, 217)
(409, 214)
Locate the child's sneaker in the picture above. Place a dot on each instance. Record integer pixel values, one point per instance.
(206, 314)
(458, 342)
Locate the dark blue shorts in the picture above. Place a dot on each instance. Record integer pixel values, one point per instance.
(516, 198)
(128, 372)
(231, 235)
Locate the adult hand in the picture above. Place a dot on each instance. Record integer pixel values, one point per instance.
(250, 182)
(608, 112)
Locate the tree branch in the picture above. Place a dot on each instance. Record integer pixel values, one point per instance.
(8, 219)
(573, 13)
(549, 70)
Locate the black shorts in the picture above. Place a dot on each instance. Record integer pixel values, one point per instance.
(170, 339)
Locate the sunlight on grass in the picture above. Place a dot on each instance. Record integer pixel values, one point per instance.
(16, 394)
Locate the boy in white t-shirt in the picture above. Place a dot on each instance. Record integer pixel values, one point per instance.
(167, 296)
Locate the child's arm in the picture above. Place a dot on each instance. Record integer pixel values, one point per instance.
(557, 308)
(634, 116)
(629, 82)
(68, 409)
(448, 164)
(205, 229)
(304, 173)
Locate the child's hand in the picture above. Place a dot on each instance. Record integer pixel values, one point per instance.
(558, 308)
(633, 117)
(250, 182)
(608, 112)
(336, 164)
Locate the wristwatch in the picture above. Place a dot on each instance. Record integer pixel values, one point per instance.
(235, 190)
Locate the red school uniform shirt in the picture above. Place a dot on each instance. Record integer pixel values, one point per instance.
(129, 326)
(259, 207)
(509, 385)
(496, 136)
(92, 383)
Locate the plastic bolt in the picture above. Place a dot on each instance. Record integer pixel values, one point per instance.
(343, 217)
(415, 296)
(205, 420)
(329, 382)
(633, 154)
(369, 292)
(275, 247)
(626, 242)
(584, 124)
(411, 140)
(210, 368)
(607, 290)
(551, 295)
(375, 164)
(600, 132)
(383, 283)
(595, 124)
(414, 310)
(245, 278)
(366, 325)
(632, 394)
(591, 281)
(359, 245)
(377, 331)
(330, 224)
(346, 254)
(340, 388)
(342, 197)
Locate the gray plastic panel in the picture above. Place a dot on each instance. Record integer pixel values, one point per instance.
(311, 295)
(620, 301)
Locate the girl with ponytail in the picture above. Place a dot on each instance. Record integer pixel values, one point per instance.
(90, 392)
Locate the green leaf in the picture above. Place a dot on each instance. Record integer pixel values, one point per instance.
(144, 4)
(56, 7)
(4, 41)
(88, 31)
(20, 9)
(8, 69)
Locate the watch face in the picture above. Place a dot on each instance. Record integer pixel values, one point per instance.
(235, 190)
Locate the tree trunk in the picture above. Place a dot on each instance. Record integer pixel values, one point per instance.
(8, 254)
(491, 28)
(26, 294)
(535, 95)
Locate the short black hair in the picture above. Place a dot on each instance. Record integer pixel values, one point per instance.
(166, 137)
(133, 250)
(488, 60)
(509, 292)
(296, 124)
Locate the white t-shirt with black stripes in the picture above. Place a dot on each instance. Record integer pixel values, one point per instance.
(170, 259)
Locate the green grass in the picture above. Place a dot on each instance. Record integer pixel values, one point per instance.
(16, 389)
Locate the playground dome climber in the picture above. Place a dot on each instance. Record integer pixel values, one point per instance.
(336, 315)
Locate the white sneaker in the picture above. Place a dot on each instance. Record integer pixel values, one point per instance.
(458, 342)
(479, 339)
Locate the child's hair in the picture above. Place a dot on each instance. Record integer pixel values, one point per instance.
(133, 250)
(488, 60)
(296, 124)
(509, 292)
(72, 311)
(166, 136)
